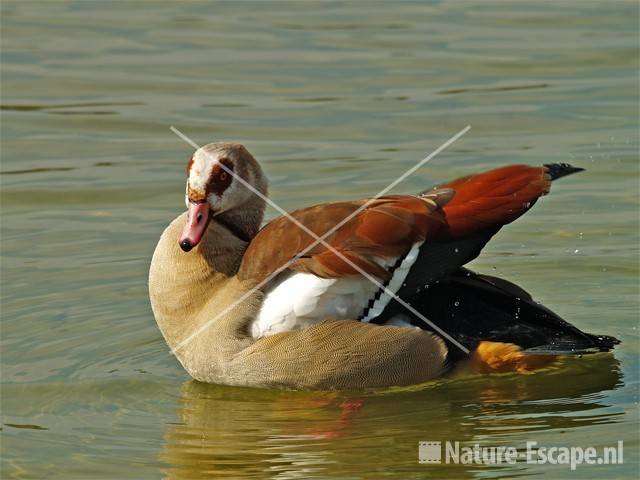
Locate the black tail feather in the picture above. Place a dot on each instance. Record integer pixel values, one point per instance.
(472, 308)
(600, 343)
(559, 170)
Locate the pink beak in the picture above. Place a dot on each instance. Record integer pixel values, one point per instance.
(197, 221)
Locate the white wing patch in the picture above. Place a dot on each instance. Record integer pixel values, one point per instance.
(304, 299)
(397, 279)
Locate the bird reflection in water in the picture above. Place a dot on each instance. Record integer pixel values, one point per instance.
(246, 433)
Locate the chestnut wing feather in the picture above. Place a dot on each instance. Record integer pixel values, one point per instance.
(386, 228)
(389, 226)
(491, 199)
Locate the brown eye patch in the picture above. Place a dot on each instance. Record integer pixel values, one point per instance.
(220, 179)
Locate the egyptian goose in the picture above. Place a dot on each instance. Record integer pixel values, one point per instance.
(348, 311)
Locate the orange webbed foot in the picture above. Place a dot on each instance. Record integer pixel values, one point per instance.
(499, 357)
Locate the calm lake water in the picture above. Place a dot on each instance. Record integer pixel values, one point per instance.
(335, 100)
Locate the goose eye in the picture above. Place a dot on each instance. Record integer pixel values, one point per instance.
(223, 176)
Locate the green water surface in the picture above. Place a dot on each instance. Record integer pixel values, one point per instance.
(335, 100)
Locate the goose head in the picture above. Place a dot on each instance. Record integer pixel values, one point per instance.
(222, 181)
